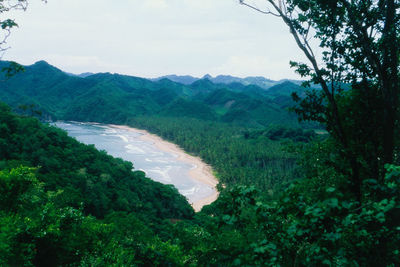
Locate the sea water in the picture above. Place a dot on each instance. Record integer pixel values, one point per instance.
(160, 166)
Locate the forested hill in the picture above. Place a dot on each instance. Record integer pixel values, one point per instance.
(114, 98)
(85, 174)
(62, 201)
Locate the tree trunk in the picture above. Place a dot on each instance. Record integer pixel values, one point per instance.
(390, 80)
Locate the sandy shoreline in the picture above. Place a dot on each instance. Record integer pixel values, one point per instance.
(201, 173)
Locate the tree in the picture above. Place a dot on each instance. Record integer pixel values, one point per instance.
(7, 24)
(360, 47)
(6, 27)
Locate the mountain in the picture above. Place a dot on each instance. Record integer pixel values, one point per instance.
(259, 81)
(114, 98)
(85, 74)
(82, 75)
(185, 79)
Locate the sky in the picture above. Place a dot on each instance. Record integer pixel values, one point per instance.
(152, 38)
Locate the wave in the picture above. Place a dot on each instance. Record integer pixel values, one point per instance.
(124, 138)
(131, 149)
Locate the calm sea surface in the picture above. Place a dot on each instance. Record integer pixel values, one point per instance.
(158, 165)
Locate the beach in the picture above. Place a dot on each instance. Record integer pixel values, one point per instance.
(201, 172)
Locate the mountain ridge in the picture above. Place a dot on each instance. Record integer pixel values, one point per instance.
(107, 97)
(260, 81)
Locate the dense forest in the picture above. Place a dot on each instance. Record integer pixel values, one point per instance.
(289, 195)
(286, 201)
(66, 203)
(244, 132)
(56, 190)
(117, 98)
(264, 158)
(286, 198)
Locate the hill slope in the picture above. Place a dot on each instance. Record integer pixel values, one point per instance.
(63, 202)
(106, 97)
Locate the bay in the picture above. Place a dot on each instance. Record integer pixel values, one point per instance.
(159, 165)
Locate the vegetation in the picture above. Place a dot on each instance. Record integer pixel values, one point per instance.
(206, 119)
(360, 41)
(320, 228)
(49, 217)
(237, 159)
(51, 209)
(113, 98)
(88, 175)
(64, 203)
(282, 133)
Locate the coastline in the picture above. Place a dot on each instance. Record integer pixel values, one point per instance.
(202, 172)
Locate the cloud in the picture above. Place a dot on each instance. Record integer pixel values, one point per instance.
(255, 65)
(74, 61)
(155, 4)
(153, 38)
(79, 64)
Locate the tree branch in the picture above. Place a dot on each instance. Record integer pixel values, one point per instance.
(365, 39)
(268, 12)
(305, 47)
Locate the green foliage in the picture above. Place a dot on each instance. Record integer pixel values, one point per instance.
(236, 160)
(193, 109)
(358, 45)
(34, 230)
(12, 69)
(15, 187)
(113, 98)
(37, 231)
(343, 212)
(7, 24)
(75, 205)
(85, 175)
(300, 228)
(316, 221)
(282, 133)
(100, 181)
(46, 212)
(131, 242)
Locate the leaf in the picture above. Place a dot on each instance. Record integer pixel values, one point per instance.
(332, 202)
(330, 189)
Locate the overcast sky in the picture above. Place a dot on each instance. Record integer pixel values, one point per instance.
(150, 38)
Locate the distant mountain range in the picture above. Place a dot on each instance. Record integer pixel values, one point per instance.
(85, 74)
(115, 98)
(227, 79)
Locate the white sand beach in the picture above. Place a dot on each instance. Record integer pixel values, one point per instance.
(202, 172)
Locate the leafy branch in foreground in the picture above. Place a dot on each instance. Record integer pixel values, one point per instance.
(6, 25)
(358, 71)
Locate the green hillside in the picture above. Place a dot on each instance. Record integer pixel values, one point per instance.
(67, 199)
(285, 195)
(106, 97)
(189, 108)
(63, 203)
(207, 119)
(307, 177)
